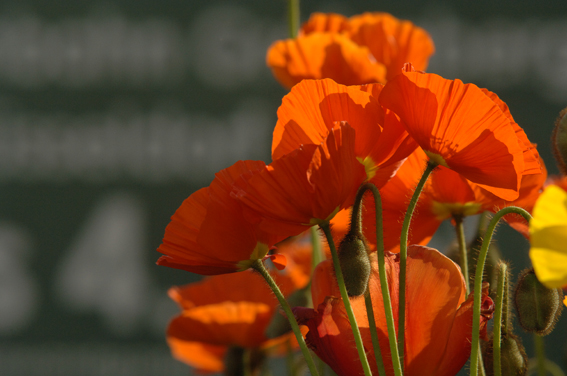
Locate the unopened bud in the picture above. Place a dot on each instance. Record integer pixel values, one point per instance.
(559, 141)
(538, 307)
(513, 358)
(353, 258)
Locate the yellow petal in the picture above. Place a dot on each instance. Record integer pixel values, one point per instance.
(548, 236)
(549, 255)
(550, 209)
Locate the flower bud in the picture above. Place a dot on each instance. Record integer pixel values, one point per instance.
(559, 141)
(513, 358)
(355, 265)
(538, 307)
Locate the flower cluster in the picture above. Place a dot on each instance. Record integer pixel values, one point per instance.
(361, 113)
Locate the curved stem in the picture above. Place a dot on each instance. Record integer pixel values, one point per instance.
(478, 280)
(404, 256)
(346, 301)
(498, 317)
(396, 363)
(374, 333)
(460, 228)
(293, 17)
(259, 267)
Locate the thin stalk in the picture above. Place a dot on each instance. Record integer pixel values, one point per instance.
(499, 316)
(289, 359)
(259, 267)
(460, 229)
(540, 355)
(374, 334)
(321, 366)
(318, 255)
(475, 345)
(383, 278)
(404, 256)
(293, 17)
(246, 355)
(346, 301)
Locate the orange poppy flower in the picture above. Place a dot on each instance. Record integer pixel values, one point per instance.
(363, 49)
(438, 317)
(313, 108)
(210, 233)
(464, 128)
(391, 41)
(305, 187)
(221, 312)
(323, 55)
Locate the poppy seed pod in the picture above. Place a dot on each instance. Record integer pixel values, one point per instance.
(559, 141)
(355, 265)
(538, 307)
(513, 358)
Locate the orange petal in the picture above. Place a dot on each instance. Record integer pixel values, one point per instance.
(435, 290)
(227, 310)
(279, 261)
(330, 336)
(209, 233)
(305, 187)
(458, 348)
(324, 22)
(533, 164)
(201, 356)
(460, 127)
(313, 108)
(323, 55)
(393, 42)
(298, 252)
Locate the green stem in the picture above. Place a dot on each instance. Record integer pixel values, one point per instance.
(259, 267)
(383, 276)
(475, 345)
(460, 228)
(321, 366)
(498, 318)
(289, 358)
(346, 301)
(374, 334)
(404, 256)
(246, 355)
(318, 255)
(293, 17)
(540, 355)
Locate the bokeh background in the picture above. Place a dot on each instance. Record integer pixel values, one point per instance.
(113, 112)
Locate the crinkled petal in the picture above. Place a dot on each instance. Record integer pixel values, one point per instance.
(392, 42)
(460, 127)
(323, 55)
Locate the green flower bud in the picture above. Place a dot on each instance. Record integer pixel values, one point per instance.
(538, 307)
(513, 358)
(355, 265)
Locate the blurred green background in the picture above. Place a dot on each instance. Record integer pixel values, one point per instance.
(113, 112)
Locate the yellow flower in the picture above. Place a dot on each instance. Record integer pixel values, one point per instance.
(548, 235)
